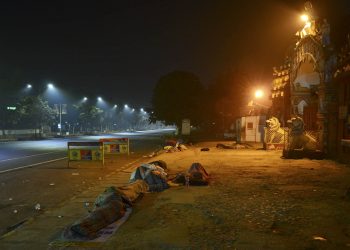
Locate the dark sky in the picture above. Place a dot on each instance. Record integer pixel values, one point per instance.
(119, 49)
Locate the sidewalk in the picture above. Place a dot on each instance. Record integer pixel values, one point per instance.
(255, 200)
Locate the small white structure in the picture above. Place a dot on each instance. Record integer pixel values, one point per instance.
(250, 128)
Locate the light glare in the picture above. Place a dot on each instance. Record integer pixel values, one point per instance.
(305, 18)
(259, 93)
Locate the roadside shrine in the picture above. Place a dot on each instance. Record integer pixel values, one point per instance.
(85, 151)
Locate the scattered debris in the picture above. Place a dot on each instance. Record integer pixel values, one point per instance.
(52, 184)
(75, 173)
(10, 199)
(37, 207)
(319, 238)
(204, 149)
(100, 178)
(15, 211)
(220, 145)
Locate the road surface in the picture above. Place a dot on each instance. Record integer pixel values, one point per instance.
(17, 155)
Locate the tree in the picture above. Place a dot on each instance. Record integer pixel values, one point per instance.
(90, 116)
(225, 98)
(34, 112)
(177, 96)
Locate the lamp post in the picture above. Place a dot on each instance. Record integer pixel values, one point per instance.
(60, 109)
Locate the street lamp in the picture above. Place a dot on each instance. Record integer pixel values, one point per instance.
(304, 18)
(29, 86)
(85, 99)
(60, 109)
(50, 86)
(99, 99)
(259, 94)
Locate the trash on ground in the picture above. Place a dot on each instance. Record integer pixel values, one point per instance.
(52, 184)
(37, 207)
(220, 145)
(319, 238)
(174, 146)
(75, 173)
(204, 149)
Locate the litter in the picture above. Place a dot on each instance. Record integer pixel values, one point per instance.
(319, 238)
(37, 207)
(75, 173)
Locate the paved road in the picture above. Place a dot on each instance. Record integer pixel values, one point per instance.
(21, 154)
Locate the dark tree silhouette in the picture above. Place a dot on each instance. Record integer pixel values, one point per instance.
(177, 96)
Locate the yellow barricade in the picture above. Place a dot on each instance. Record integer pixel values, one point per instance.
(85, 151)
(115, 146)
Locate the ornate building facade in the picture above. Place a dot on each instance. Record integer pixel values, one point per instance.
(307, 81)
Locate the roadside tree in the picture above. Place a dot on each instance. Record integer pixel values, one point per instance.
(90, 117)
(34, 112)
(177, 96)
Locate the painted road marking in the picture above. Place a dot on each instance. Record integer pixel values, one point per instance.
(32, 165)
(27, 156)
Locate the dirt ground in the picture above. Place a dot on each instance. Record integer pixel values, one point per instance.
(255, 200)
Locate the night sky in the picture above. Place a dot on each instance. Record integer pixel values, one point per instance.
(119, 49)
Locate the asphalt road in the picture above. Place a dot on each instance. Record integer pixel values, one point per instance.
(17, 155)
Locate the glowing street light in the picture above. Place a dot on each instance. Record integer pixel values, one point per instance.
(126, 106)
(85, 99)
(259, 94)
(99, 99)
(141, 109)
(50, 86)
(115, 106)
(29, 86)
(304, 18)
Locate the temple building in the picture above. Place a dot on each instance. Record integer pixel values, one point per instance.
(280, 93)
(303, 87)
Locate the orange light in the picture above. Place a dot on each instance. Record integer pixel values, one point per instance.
(259, 93)
(305, 18)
